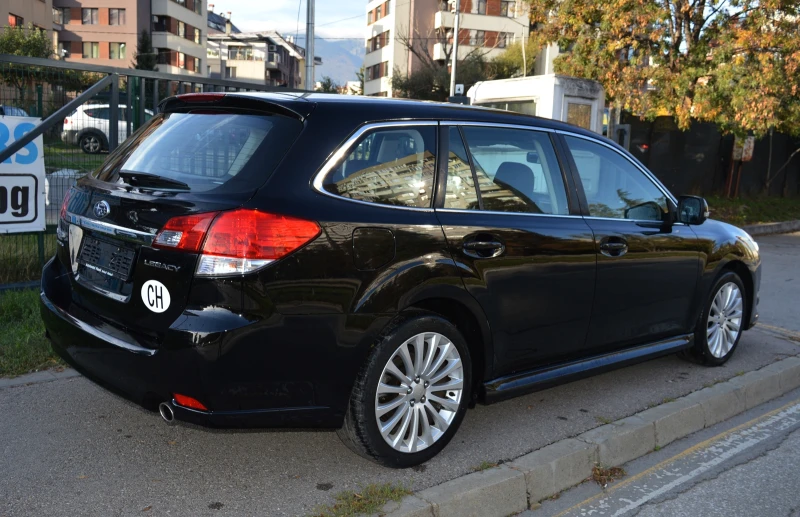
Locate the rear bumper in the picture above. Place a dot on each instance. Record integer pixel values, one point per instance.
(69, 136)
(226, 371)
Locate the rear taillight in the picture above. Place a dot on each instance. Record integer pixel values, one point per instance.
(185, 232)
(61, 227)
(67, 122)
(65, 204)
(236, 242)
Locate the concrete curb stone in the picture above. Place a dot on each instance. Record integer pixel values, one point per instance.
(674, 420)
(523, 482)
(38, 377)
(770, 228)
(555, 467)
(622, 441)
(498, 491)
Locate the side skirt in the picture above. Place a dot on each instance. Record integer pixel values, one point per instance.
(529, 381)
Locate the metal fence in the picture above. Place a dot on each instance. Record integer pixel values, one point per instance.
(77, 141)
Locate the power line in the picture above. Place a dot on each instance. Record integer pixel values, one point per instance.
(342, 20)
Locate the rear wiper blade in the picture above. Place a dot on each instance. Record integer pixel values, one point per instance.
(145, 179)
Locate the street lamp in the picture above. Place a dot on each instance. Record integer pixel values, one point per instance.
(457, 5)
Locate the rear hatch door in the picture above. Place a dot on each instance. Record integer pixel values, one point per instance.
(196, 159)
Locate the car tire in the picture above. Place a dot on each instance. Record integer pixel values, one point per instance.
(410, 421)
(721, 323)
(92, 143)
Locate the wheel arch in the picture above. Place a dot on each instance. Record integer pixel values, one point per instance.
(744, 273)
(468, 317)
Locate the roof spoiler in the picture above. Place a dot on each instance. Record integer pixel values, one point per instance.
(181, 103)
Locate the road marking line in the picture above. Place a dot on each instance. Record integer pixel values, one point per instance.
(779, 330)
(790, 413)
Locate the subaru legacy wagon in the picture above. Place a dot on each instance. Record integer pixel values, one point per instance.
(378, 266)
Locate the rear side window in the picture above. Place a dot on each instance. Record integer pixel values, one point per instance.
(388, 166)
(220, 152)
(516, 170)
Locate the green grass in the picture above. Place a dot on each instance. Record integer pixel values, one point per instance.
(741, 212)
(58, 155)
(19, 257)
(370, 499)
(23, 347)
(484, 465)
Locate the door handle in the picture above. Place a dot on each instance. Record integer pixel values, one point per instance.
(484, 249)
(616, 248)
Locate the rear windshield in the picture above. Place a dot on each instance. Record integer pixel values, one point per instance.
(203, 152)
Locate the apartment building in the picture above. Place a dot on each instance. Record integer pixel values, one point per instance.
(105, 32)
(20, 13)
(257, 57)
(485, 26)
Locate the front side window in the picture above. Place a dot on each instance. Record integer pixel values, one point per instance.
(388, 166)
(517, 170)
(89, 16)
(614, 187)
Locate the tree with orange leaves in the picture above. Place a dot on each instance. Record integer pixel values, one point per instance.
(732, 62)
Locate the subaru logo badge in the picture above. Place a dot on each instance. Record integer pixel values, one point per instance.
(101, 209)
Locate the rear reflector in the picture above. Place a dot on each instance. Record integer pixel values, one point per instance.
(236, 242)
(186, 401)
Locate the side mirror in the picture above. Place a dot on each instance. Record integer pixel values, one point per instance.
(692, 210)
(533, 157)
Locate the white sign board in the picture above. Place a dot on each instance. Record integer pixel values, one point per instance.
(22, 189)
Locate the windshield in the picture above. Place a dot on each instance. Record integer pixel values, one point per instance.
(209, 151)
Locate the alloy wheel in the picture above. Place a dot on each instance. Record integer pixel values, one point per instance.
(724, 320)
(419, 392)
(91, 144)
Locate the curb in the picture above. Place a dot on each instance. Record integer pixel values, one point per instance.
(521, 483)
(770, 228)
(38, 377)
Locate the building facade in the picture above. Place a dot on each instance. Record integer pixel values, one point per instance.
(105, 32)
(20, 13)
(485, 26)
(264, 57)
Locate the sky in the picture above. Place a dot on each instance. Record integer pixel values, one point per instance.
(334, 18)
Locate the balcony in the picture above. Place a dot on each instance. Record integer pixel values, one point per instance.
(482, 22)
(171, 41)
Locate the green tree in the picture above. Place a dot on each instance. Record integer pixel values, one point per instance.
(327, 85)
(510, 62)
(360, 77)
(431, 80)
(145, 56)
(732, 62)
(24, 41)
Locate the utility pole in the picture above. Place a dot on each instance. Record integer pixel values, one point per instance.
(310, 45)
(455, 50)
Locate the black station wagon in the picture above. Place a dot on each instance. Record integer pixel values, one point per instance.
(377, 266)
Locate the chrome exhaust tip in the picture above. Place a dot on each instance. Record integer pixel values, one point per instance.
(166, 412)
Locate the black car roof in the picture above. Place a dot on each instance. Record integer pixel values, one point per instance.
(371, 109)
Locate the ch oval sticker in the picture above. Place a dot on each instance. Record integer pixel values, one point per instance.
(155, 296)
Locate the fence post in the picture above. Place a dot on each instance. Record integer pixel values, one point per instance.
(40, 244)
(142, 95)
(39, 109)
(113, 114)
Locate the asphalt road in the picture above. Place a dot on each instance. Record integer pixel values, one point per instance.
(71, 448)
(744, 467)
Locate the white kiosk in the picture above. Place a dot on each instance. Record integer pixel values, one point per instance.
(559, 97)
